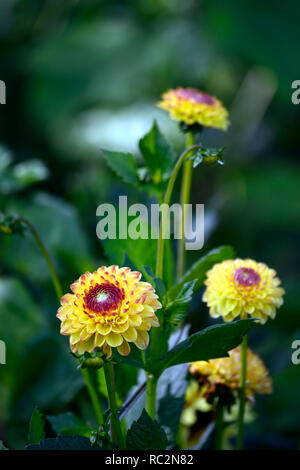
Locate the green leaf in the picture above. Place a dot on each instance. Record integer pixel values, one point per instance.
(64, 443)
(36, 427)
(212, 342)
(60, 228)
(146, 434)
(50, 378)
(176, 310)
(171, 388)
(123, 164)
(199, 269)
(157, 153)
(69, 424)
(20, 322)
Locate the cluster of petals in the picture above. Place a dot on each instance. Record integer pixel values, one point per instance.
(109, 308)
(226, 372)
(242, 288)
(192, 106)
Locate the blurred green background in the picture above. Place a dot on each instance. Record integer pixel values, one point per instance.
(82, 75)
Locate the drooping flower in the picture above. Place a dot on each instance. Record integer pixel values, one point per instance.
(110, 307)
(226, 372)
(192, 106)
(241, 288)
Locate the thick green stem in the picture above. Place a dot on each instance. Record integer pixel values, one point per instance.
(167, 199)
(151, 396)
(115, 425)
(151, 384)
(219, 428)
(57, 287)
(93, 395)
(184, 199)
(240, 436)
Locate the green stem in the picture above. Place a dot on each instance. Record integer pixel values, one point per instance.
(93, 395)
(151, 382)
(115, 425)
(47, 258)
(219, 428)
(151, 396)
(184, 199)
(57, 287)
(167, 199)
(240, 436)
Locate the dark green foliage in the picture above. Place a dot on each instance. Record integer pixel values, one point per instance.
(146, 434)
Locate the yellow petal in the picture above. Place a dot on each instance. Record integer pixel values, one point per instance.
(67, 299)
(135, 320)
(142, 340)
(107, 350)
(114, 339)
(130, 334)
(75, 337)
(91, 326)
(103, 328)
(120, 328)
(124, 349)
(99, 340)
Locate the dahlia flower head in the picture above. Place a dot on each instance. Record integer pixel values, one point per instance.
(109, 308)
(239, 288)
(226, 371)
(192, 106)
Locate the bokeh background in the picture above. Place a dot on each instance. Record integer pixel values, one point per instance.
(85, 75)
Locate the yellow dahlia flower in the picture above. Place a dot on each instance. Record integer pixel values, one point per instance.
(241, 288)
(227, 372)
(195, 107)
(109, 308)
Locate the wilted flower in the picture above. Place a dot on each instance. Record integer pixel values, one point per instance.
(192, 106)
(227, 372)
(241, 288)
(109, 308)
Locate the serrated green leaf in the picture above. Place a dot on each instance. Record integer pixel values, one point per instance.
(123, 164)
(212, 342)
(69, 424)
(199, 269)
(36, 427)
(158, 154)
(146, 434)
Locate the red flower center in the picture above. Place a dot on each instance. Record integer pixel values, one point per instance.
(246, 277)
(104, 298)
(196, 95)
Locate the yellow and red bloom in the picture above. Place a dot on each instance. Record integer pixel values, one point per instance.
(110, 307)
(226, 372)
(192, 106)
(238, 288)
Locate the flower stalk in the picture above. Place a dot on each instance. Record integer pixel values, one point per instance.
(219, 427)
(115, 425)
(151, 395)
(240, 436)
(167, 199)
(184, 199)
